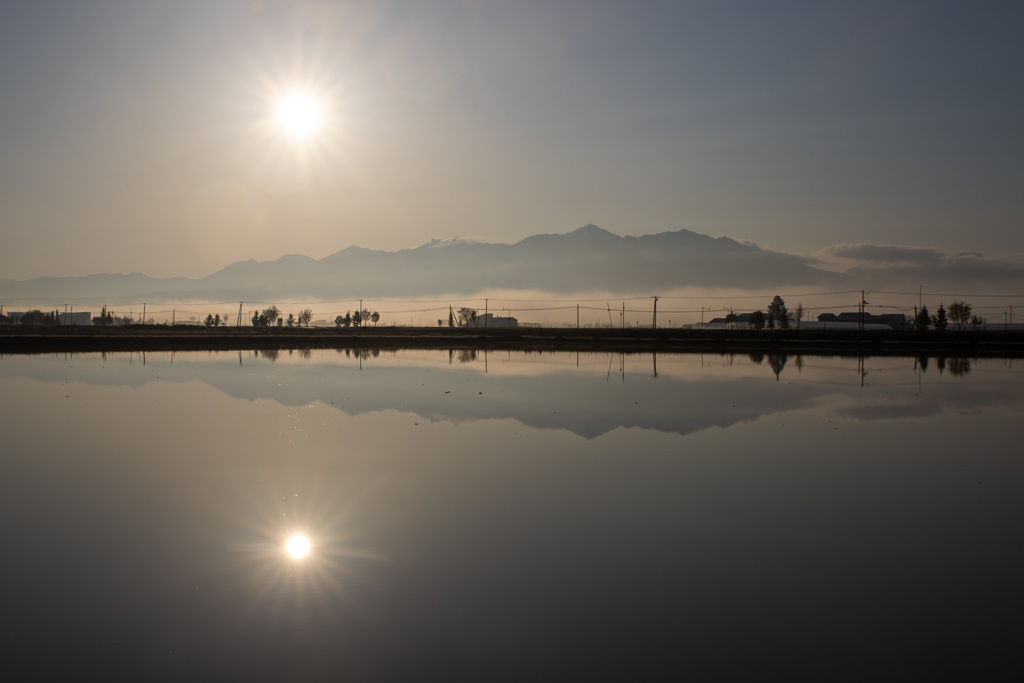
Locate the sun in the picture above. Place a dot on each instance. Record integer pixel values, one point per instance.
(298, 546)
(299, 114)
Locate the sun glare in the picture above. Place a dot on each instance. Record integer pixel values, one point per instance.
(298, 546)
(299, 115)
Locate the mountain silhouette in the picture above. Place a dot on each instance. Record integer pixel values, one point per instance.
(586, 259)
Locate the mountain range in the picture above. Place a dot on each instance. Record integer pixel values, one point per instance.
(587, 259)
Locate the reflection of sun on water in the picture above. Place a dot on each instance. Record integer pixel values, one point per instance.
(298, 546)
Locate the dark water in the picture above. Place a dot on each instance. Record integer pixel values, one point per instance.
(511, 517)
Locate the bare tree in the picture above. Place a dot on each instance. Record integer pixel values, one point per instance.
(466, 316)
(375, 318)
(305, 316)
(270, 315)
(798, 314)
(960, 313)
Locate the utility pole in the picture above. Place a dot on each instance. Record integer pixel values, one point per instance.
(239, 324)
(577, 316)
(622, 317)
(863, 304)
(485, 312)
(920, 289)
(654, 322)
(143, 312)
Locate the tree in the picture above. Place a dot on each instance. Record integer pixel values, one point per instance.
(960, 313)
(466, 316)
(104, 319)
(290, 322)
(357, 319)
(217, 320)
(451, 318)
(209, 320)
(339, 321)
(777, 309)
(939, 319)
(757, 320)
(731, 320)
(37, 317)
(375, 317)
(305, 317)
(771, 320)
(922, 321)
(798, 314)
(440, 323)
(976, 321)
(256, 319)
(271, 314)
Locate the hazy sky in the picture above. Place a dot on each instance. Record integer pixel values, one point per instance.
(139, 134)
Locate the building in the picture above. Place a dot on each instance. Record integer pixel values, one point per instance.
(895, 321)
(76, 318)
(491, 320)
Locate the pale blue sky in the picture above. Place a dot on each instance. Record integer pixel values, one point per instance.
(134, 134)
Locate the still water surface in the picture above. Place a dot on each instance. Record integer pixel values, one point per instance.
(511, 516)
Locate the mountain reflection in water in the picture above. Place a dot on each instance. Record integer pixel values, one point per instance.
(501, 516)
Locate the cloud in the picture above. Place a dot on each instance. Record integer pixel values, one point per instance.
(885, 254)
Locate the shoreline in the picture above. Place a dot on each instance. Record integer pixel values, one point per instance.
(37, 340)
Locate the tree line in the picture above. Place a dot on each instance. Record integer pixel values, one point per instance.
(960, 314)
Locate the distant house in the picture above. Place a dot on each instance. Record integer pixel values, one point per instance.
(742, 320)
(895, 321)
(491, 320)
(77, 318)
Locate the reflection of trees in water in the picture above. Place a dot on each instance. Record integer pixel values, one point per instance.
(364, 354)
(467, 355)
(777, 361)
(757, 357)
(305, 354)
(269, 354)
(958, 367)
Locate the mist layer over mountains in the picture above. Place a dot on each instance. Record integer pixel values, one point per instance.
(588, 259)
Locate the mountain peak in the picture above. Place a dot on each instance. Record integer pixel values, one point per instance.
(591, 230)
(437, 242)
